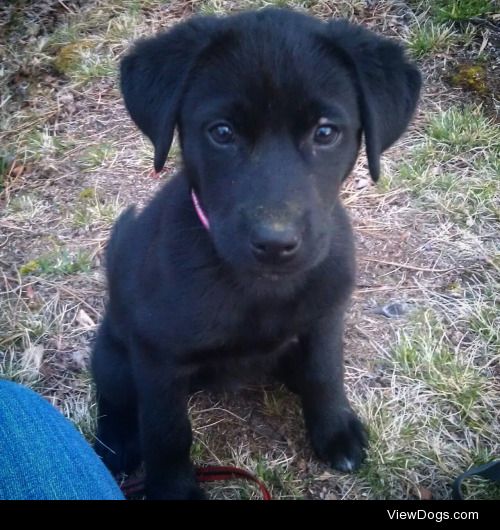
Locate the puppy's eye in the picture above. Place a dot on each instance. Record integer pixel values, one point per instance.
(221, 133)
(326, 134)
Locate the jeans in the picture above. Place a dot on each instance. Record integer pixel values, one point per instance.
(42, 456)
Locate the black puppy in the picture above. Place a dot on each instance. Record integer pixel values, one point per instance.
(243, 263)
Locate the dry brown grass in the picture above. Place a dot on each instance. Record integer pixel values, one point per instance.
(427, 382)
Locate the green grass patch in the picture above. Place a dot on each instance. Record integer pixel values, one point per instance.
(431, 38)
(43, 144)
(123, 27)
(92, 64)
(432, 413)
(85, 59)
(221, 7)
(392, 451)
(455, 168)
(279, 478)
(95, 155)
(198, 452)
(93, 211)
(27, 207)
(464, 128)
(58, 263)
(460, 10)
(426, 355)
(102, 22)
(485, 321)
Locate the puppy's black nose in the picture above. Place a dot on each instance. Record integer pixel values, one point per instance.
(275, 244)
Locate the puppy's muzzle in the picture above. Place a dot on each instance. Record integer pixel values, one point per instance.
(275, 244)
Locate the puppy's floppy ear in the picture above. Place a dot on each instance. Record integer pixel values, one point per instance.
(154, 75)
(388, 86)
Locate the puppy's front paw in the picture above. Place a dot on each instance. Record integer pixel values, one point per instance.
(342, 443)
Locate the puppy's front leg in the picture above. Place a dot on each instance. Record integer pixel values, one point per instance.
(165, 431)
(336, 433)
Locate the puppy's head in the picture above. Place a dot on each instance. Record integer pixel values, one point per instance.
(270, 108)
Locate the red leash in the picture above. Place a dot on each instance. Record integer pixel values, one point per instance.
(204, 474)
(213, 473)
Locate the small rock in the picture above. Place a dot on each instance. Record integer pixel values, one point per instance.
(393, 310)
(85, 320)
(362, 182)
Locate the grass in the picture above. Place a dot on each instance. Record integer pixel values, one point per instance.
(423, 383)
(95, 155)
(390, 458)
(459, 10)
(83, 64)
(26, 207)
(58, 263)
(485, 321)
(430, 38)
(43, 143)
(94, 212)
(277, 400)
(426, 356)
(433, 409)
(342, 8)
(80, 406)
(455, 165)
(278, 477)
(24, 369)
(463, 128)
(456, 10)
(219, 7)
(26, 325)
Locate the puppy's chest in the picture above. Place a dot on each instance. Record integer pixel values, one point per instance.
(250, 331)
(263, 323)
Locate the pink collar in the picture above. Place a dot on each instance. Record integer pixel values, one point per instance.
(202, 216)
(199, 210)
